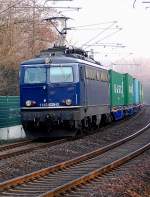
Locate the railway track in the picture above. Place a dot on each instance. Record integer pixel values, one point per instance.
(14, 149)
(14, 145)
(67, 176)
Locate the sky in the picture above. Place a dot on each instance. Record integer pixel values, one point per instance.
(133, 27)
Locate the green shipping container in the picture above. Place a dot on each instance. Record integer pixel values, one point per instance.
(116, 88)
(141, 92)
(128, 89)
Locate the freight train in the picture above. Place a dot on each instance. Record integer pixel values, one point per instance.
(64, 92)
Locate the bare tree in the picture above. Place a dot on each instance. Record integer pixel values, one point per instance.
(23, 33)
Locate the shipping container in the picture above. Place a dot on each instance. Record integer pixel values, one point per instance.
(136, 92)
(140, 93)
(116, 88)
(128, 89)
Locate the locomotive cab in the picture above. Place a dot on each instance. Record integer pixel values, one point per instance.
(49, 97)
(49, 85)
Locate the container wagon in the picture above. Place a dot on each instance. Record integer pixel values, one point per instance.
(116, 94)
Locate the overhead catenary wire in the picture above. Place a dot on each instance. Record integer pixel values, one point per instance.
(146, 2)
(95, 24)
(97, 35)
(97, 42)
(57, 0)
(87, 46)
(49, 7)
(109, 35)
(107, 45)
(85, 29)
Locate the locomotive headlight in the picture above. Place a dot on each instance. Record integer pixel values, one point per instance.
(28, 103)
(68, 101)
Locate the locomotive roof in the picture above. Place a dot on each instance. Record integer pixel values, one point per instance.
(61, 60)
(60, 57)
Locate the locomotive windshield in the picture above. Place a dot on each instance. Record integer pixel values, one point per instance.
(35, 75)
(52, 74)
(61, 74)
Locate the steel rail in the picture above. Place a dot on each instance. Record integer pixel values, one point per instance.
(14, 145)
(29, 149)
(61, 166)
(94, 174)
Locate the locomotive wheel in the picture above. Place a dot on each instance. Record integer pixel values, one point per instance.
(103, 120)
(89, 123)
(94, 122)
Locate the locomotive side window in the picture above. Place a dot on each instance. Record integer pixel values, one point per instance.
(61, 74)
(99, 75)
(90, 74)
(35, 75)
(104, 76)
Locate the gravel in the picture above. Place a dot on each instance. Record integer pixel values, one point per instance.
(130, 180)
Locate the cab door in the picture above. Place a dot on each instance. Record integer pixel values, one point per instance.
(83, 91)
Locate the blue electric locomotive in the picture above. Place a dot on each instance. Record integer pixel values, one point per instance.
(61, 92)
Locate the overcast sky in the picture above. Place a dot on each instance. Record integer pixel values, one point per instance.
(135, 24)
